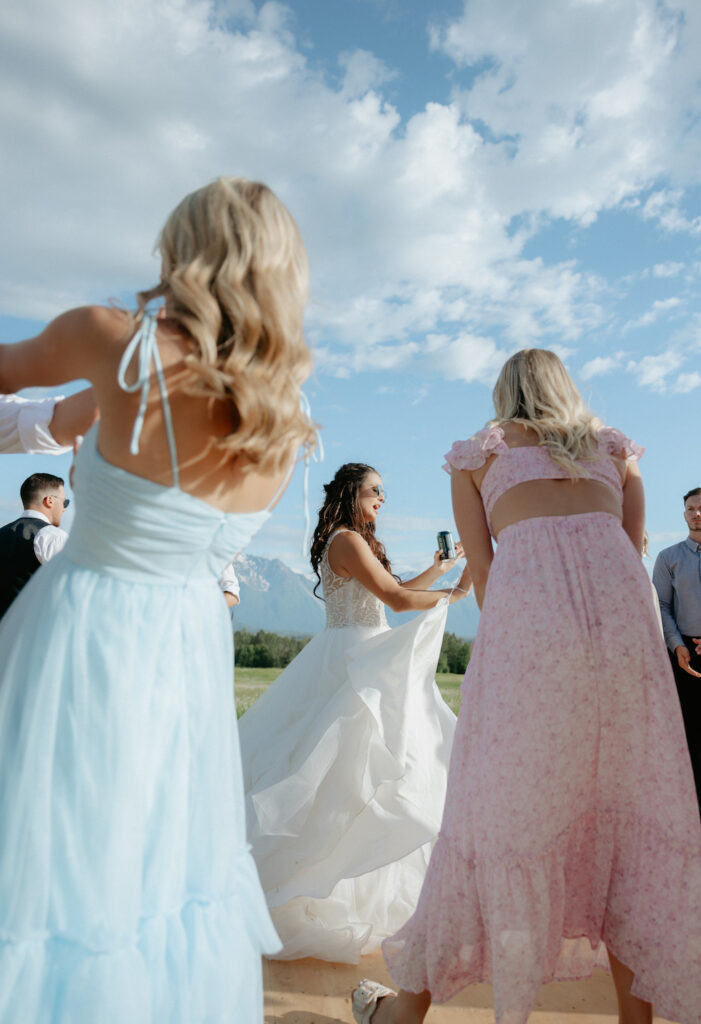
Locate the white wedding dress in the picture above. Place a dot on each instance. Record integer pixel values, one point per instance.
(345, 760)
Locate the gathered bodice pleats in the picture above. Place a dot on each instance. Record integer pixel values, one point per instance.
(131, 527)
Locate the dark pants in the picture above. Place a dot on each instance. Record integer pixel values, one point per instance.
(689, 690)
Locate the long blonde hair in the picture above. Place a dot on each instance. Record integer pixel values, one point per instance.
(535, 389)
(236, 277)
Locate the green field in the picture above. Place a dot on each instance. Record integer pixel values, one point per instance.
(250, 683)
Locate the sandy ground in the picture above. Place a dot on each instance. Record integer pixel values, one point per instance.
(315, 992)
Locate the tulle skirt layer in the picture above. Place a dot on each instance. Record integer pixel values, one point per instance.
(199, 963)
(345, 760)
(127, 892)
(571, 822)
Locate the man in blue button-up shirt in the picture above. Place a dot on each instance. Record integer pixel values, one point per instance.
(677, 580)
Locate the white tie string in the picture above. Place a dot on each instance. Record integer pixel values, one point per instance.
(315, 456)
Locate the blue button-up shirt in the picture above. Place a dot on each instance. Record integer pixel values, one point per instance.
(677, 580)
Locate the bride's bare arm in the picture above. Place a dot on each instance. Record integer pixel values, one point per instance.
(350, 556)
(472, 527)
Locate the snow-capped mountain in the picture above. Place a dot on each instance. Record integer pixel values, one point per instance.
(279, 600)
(275, 598)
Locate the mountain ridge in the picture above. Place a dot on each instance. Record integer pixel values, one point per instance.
(277, 599)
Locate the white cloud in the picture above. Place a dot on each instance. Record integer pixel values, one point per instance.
(570, 90)
(243, 9)
(653, 371)
(600, 365)
(670, 269)
(416, 226)
(686, 382)
(363, 71)
(659, 308)
(466, 357)
(396, 524)
(665, 207)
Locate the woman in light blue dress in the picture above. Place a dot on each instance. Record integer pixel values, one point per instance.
(127, 892)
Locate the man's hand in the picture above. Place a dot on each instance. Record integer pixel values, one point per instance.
(697, 648)
(684, 659)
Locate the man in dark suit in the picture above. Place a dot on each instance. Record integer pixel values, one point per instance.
(35, 537)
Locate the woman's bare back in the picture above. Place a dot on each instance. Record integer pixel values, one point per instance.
(536, 498)
(207, 471)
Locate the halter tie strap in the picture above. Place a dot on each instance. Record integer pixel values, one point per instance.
(146, 344)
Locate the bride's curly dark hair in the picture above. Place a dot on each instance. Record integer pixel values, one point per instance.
(341, 508)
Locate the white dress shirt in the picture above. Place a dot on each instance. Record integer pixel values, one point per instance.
(49, 540)
(228, 581)
(24, 426)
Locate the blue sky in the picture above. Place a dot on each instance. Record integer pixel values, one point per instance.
(470, 178)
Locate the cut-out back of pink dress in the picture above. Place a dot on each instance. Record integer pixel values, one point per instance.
(519, 465)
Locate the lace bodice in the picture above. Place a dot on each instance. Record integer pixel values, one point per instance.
(520, 464)
(348, 602)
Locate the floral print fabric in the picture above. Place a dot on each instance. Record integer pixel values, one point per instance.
(571, 822)
(520, 464)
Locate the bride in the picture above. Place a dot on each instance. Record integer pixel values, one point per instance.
(345, 756)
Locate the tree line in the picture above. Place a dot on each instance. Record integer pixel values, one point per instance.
(455, 654)
(271, 650)
(266, 650)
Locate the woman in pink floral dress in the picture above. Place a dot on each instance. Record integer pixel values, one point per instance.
(571, 827)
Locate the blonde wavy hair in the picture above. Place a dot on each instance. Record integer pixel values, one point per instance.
(535, 389)
(236, 277)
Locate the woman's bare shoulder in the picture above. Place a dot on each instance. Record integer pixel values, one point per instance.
(517, 435)
(351, 546)
(109, 323)
(345, 539)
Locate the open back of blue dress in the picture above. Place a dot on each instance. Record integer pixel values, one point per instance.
(127, 892)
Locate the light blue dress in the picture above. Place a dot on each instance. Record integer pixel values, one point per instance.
(127, 891)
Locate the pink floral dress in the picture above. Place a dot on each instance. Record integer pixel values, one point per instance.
(571, 822)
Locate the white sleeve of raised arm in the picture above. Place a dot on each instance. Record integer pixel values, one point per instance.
(24, 426)
(228, 581)
(48, 542)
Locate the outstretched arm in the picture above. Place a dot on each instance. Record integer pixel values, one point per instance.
(24, 426)
(73, 416)
(71, 347)
(439, 567)
(350, 556)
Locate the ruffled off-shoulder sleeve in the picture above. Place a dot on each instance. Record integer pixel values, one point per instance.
(474, 452)
(615, 442)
